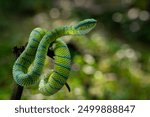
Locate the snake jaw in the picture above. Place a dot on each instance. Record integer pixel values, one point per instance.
(85, 26)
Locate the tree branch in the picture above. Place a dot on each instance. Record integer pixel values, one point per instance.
(17, 90)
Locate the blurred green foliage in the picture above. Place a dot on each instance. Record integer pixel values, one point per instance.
(111, 62)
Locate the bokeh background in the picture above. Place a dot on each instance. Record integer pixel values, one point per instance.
(111, 62)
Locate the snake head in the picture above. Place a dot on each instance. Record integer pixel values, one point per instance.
(85, 26)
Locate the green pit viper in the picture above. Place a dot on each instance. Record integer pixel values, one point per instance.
(35, 55)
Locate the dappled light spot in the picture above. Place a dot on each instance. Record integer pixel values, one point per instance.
(88, 69)
(77, 91)
(41, 19)
(66, 4)
(89, 59)
(144, 15)
(127, 53)
(134, 27)
(133, 13)
(54, 13)
(117, 17)
(98, 75)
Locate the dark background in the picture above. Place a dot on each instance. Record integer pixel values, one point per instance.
(111, 62)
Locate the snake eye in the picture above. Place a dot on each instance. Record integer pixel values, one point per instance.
(85, 26)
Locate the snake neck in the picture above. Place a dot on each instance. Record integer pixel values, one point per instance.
(52, 35)
(48, 38)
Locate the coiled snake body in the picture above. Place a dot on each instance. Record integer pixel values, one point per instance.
(35, 55)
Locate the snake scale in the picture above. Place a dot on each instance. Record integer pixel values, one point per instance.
(29, 65)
